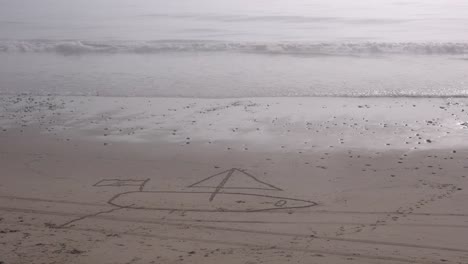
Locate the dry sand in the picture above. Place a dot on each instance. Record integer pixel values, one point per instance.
(265, 180)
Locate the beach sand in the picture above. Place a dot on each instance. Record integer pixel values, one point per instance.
(248, 180)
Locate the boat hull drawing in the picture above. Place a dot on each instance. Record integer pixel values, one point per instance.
(197, 201)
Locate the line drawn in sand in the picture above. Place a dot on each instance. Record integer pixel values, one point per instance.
(229, 173)
(226, 201)
(119, 183)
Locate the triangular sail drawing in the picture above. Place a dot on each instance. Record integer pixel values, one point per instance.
(233, 179)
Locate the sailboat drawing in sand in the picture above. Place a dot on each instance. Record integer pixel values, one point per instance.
(224, 194)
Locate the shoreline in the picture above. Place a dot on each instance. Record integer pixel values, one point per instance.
(291, 123)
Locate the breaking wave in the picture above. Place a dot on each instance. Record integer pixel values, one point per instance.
(71, 47)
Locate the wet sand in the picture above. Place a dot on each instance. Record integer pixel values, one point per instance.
(260, 180)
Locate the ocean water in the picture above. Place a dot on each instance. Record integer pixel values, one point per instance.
(234, 48)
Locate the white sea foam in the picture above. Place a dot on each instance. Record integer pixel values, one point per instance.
(68, 47)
